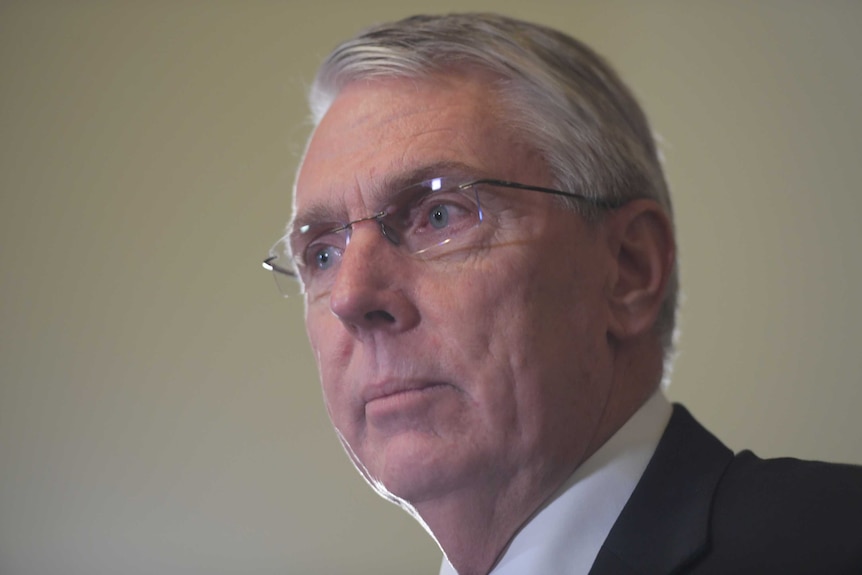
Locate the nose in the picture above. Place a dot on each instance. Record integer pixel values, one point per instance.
(372, 291)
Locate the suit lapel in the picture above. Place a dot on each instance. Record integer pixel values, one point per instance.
(665, 524)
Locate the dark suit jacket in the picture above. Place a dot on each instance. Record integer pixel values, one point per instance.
(700, 509)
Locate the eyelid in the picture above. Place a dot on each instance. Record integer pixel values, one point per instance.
(299, 235)
(300, 243)
(417, 195)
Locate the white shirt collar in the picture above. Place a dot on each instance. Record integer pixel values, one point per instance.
(566, 534)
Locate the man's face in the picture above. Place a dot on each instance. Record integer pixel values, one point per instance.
(486, 368)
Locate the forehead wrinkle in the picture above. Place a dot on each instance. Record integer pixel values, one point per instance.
(413, 175)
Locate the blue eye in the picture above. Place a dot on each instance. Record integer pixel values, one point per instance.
(325, 258)
(438, 217)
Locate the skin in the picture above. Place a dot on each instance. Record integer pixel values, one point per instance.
(472, 386)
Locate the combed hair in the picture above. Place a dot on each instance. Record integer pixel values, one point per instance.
(564, 100)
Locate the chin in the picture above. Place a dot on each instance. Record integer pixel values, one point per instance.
(415, 471)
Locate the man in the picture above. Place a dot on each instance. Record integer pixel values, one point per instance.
(483, 236)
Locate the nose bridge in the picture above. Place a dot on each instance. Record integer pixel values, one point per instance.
(377, 219)
(373, 217)
(366, 294)
(362, 253)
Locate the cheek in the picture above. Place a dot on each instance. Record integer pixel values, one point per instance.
(477, 322)
(459, 319)
(330, 341)
(329, 345)
(537, 313)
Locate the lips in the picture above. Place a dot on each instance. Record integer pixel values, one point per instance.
(390, 389)
(403, 406)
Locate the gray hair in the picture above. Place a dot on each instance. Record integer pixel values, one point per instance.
(567, 102)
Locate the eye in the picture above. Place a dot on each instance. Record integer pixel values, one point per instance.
(438, 217)
(321, 257)
(449, 213)
(434, 213)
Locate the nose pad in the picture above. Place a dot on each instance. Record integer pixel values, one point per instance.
(389, 233)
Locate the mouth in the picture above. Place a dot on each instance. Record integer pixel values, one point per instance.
(394, 389)
(400, 400)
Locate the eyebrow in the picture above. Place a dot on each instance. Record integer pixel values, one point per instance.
(379, 195)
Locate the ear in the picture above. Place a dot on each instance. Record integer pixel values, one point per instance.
(642, 242)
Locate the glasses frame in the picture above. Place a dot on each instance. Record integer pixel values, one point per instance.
(270, 264)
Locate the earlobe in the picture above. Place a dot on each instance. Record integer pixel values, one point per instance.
(642, 242)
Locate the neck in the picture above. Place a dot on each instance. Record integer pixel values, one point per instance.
(473, 527)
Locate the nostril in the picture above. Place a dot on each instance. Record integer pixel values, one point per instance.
(379, 315)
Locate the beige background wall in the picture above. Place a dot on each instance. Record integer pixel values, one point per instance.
(159, 411)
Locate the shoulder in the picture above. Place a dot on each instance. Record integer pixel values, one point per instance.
(788, 515)
(701, 509)
(789, 496)
(810, 483)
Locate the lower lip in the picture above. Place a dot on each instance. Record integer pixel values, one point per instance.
(403, 405)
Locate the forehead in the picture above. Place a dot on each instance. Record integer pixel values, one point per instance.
(379, 134)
